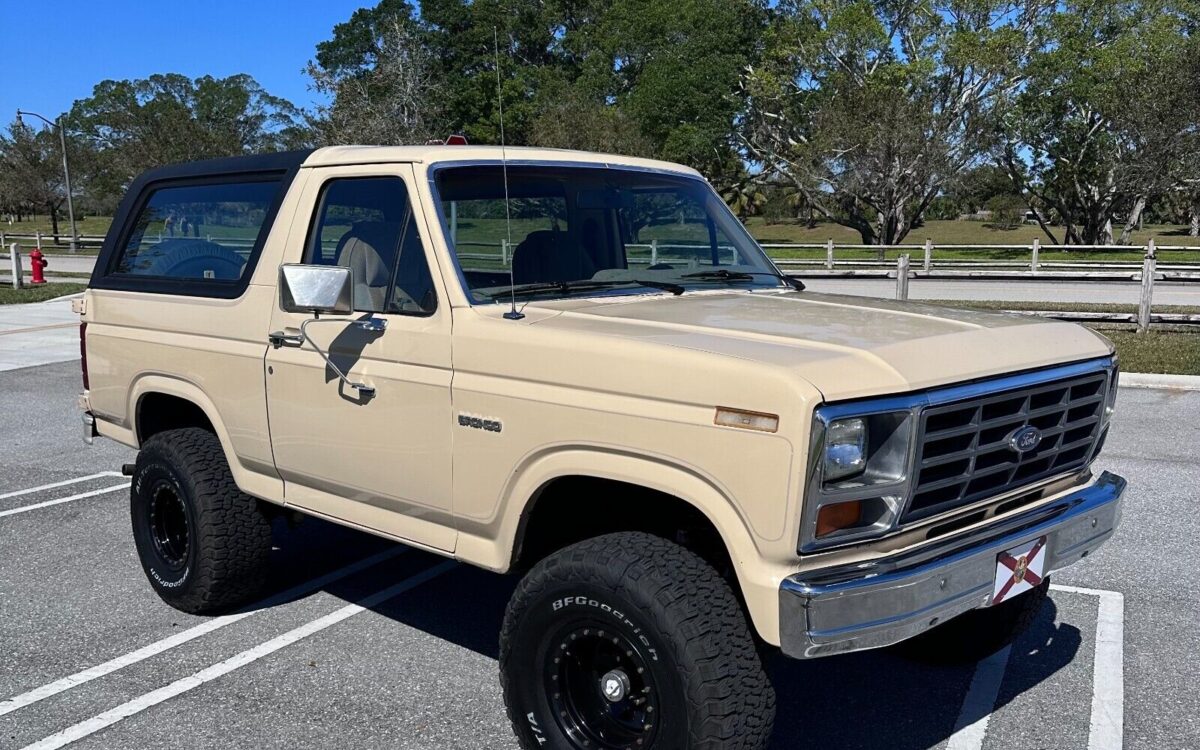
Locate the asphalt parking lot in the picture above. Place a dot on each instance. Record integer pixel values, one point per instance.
(363, 643)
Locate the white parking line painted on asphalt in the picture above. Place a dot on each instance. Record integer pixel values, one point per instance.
(63, 483)
(61, 500)
(208, 674)
(972, 723)
(1107, 728)
(204, 628)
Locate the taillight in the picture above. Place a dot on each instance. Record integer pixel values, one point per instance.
(83, 354)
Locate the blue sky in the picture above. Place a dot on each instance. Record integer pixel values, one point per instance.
(55, 51)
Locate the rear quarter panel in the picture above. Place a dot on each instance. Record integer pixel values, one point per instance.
(209, 351)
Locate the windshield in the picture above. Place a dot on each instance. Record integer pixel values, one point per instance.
(581, 230)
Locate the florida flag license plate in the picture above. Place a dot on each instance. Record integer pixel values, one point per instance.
(1019, 569)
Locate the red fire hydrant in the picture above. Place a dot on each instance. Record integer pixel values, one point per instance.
(38, 262)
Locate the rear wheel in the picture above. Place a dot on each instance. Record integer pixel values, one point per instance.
(630, 641)
(203, 543)
(979, 633)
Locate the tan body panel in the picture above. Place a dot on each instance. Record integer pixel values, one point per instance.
(383, 463)
(622, 388)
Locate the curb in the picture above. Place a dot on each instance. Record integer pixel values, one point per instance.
(1151, 380)
(63, 298)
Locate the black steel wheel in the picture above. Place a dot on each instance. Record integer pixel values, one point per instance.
(169, 524)
(600, 687)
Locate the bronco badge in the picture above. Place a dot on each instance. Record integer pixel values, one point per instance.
(479, 423)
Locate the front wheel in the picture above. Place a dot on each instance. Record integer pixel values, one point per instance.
(630, 641)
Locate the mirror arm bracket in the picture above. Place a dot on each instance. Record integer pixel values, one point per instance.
(370, 324)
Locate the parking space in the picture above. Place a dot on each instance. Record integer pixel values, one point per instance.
(363, 643)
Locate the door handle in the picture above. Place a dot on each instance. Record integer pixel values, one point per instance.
(279, 338)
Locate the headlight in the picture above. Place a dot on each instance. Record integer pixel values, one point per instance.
(845, 448)
(859, 474)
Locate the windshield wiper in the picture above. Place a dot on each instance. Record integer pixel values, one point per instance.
(727, 275)
(582, 285)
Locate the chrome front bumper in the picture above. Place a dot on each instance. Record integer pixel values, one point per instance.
(885, 601)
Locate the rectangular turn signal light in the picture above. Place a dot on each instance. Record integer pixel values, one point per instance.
(747, 420)
(838, 516)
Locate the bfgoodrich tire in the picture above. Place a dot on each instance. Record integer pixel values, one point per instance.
(980, 632)
(202, 542)
(630, 641)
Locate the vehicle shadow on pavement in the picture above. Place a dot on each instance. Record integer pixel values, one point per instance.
(882, 699)
(871, 700)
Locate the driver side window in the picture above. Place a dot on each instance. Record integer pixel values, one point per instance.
(367, 225)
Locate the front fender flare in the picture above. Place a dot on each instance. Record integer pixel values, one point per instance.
(758, 579)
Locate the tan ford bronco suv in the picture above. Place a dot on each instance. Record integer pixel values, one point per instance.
(582, 369)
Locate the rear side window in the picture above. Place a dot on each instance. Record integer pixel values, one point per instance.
(204, 234)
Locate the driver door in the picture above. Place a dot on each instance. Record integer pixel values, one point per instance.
(381, 461)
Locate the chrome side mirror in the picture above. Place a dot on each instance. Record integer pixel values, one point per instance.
(313, 289)
(316, 289)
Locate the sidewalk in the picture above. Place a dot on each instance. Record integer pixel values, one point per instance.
(38, 334)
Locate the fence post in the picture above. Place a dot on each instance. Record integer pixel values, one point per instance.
(829, 253)
(1033, 258)
(1151, 250)
(1143, 322)
(504, 252)
(14, 257)
(38, 240)
(902, 277)
(928, 253)
(654, 252)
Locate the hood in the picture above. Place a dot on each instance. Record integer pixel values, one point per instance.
(846, 347)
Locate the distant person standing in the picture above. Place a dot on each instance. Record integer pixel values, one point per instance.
(169, 224)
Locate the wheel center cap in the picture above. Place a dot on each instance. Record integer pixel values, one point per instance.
(614, 685)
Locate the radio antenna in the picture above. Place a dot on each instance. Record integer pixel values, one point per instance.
(513, 313)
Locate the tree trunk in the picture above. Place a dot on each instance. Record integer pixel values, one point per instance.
(1134, 220)
(53, 221)
(1194, 229)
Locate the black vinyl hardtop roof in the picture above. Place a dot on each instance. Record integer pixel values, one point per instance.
(281, 161)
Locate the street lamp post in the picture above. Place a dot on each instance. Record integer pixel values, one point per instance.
(62, 139)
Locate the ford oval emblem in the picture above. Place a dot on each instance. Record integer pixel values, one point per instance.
(1025, 439)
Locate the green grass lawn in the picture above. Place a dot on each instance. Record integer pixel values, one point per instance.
(950, 233)
(1170, 352)
(963, 233)
(10, 296)
(88, 226)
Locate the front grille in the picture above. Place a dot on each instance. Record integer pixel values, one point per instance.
(963, 453)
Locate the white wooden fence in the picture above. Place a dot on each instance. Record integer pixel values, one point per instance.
(1146, 264)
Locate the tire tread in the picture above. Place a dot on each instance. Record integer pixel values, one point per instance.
(693, 607)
